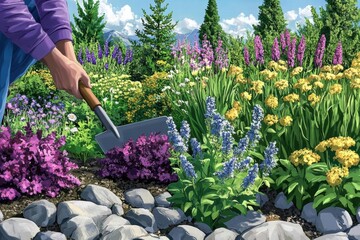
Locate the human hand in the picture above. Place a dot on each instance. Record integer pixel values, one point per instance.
(66, 73)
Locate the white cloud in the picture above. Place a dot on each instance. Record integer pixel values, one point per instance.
(186, 25)
(305, 13)
(239, 25)
(291, 15)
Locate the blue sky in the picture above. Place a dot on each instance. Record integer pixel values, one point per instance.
(236, 16)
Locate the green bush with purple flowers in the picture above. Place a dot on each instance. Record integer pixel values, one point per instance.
(146, 159)
(31, 164)
(220, 179)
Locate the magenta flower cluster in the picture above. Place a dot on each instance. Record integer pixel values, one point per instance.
(320, 52)
(31, 164)
(291, 53)
(337, 59)
(146, 159)
(275, 51)
(259, 50)
(301, 50)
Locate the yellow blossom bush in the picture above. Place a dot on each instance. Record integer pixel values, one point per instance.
(281, 84)
(292, 97)
(271, 101)
(335, 89)
(335, 175)
(270, 119)
(257, 86)
(245, 95)
(286, 121)
(304, 157)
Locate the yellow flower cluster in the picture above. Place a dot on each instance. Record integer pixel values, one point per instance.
(347, 158)
(337, 68)
(304, 157)
(314, 77)
(355, 83)
(335, 175)
(286, 121)
(335, 143)
(281, 84)
(326, 68)
(245, 95)
(351, 73)
(238, 73)
(278, 66)
(303, 84)
(292, 97)
(233, 113)
(271, 101)
(269, 75)
(270, 119)
(257, 86)
(313, 98)
(335, 89)
(296, 71)
(318, 84)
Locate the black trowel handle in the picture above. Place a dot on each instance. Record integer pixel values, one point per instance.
(89, 96)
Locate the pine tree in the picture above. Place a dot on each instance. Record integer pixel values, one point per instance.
(272, 20)
(89, 25)
(155, 40)
(341, 20)
(211, 26)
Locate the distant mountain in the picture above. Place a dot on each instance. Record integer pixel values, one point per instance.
(111, 35)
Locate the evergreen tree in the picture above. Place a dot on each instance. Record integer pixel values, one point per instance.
(88, 25)
(341, 20)
(272, 20)
(211, 26)
(155, 40)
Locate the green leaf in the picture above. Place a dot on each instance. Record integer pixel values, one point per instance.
(187, 206)
(281, 179)
(356, 185)
(329, 197)
(215, 214)
(205, 201)
(292, 186)
(270, 130)
(321, 190)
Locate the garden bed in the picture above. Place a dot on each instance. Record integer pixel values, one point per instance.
(87, 174)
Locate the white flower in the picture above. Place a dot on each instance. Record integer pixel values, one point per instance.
(116, 102)
(105, 99)
(187, 80)
(72, 117)
(182, 85)
(67, 128)
(177, 93)
(166, 88)
(73, 130)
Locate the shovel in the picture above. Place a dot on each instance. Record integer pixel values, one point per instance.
(118, 136)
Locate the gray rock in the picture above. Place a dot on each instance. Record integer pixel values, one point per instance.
(18, 229)
(69, 209)
(140, 198)
(309, 213)
(334, 236)
(1, 216)
(281, 202)
(41, 212)
(117, 209)
(160, 200)
(223, 234)
(80, 228)
(100, 195)
(142, 217)
(242, 223)
(203, 227)
(112, 223)
(186, 232)
(50, 235)
(166, 217)
(358, 215)
(261, 198)
(126, 232)
(332, 220)
(152, 237)
(276, 230)
(354, 233)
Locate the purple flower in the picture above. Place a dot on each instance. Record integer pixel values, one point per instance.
(210, 107)
(93, 58)
(269, 158)
(301, 50)
(207, 53)
(222, 60)
(291, 53)
(196, 148)
(338, 54)
(250, 178)
(81, 61)
(88, 55)
(319, 54)
(227, 171)
(174, 137)
(287, 38)
(100, 52)
(244, 164)
(187, 167)
(106, 66)
(185, 131)
(275, 52)
(115, 52)
(242, 146)
(259, 50)
(282, 42)
(257, 116)
(246, 56)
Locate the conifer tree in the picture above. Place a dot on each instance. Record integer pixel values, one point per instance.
(88, 25)
(272, 20)
(211, 26)
(155, 40)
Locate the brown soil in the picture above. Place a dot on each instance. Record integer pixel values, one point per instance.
(86, 174)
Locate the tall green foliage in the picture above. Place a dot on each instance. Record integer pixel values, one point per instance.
(271, 17)
(88, 25)
(155, 40)
(211, 26)
(341, 23)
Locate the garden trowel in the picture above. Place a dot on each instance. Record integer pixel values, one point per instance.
(118, 136)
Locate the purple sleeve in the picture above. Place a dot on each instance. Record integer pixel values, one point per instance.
(54, 18)
(18, 24)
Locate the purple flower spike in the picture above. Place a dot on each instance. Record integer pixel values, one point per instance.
(319, 54)
(301, 50)
(338, 54)
(259, 50)
(291, 53)
(246, 56)
(275, 53)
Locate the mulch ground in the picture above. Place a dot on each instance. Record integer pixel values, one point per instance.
(86, 173)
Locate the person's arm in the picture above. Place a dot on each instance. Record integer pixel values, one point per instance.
(17, 24)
